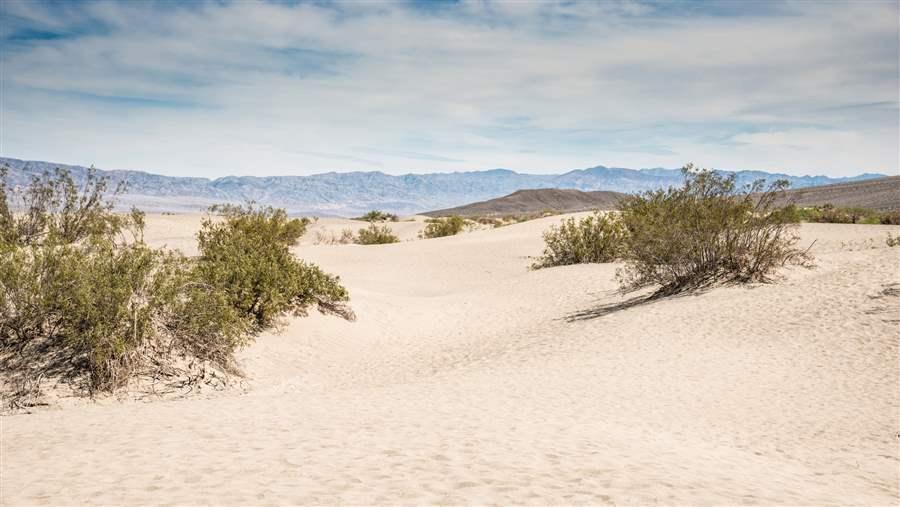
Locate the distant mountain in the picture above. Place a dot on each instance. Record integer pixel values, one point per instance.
(536, 201)
(352, 193)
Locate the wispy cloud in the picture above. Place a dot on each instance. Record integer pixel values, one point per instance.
(215, 88)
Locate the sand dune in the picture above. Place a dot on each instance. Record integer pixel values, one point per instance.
(468, 379)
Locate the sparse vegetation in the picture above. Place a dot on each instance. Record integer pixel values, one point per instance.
(444, 226)
(704, 232)
(330, 238)
(375, 235)
(830, 214)
(85, 300)
(892, 241)
(378, 216)
(595, 238)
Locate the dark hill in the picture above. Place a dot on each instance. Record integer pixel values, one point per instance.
(535, 201)
(879, 194)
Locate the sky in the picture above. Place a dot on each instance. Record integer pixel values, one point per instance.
(303, 87)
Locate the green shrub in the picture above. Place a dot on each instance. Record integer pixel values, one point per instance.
(84, 299)
(81, 295)
(595, 238)
(704, 232)
(247, 256)
(375, 235)
(378, 216)
(445, 226)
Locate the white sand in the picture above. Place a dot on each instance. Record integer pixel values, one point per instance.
(463, 382)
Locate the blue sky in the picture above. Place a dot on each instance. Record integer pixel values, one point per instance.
(217, 88)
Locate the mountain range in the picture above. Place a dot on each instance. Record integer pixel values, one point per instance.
(353, 193)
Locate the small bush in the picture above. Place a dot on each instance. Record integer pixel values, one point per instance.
(595, 238)
(248, 257)
(378, 216)
(890, 217)
(704, 232)
(892, 241)
(445, 226)
(493, 222)
(375, 235)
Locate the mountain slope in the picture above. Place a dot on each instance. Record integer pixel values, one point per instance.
(356, 192)
(535, 201)
(880, 193)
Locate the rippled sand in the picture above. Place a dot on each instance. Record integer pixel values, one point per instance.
(468, 379)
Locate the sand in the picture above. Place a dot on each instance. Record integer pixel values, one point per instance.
(468, 379)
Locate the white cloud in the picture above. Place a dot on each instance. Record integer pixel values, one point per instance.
(268, 88)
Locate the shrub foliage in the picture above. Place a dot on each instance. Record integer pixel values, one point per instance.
(247, 257)
(445, 226)
(84, 299)
(375, 235)
(378, 216)
(595, 238)
(705, 231)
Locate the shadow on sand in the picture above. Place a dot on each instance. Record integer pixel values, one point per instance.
(632, 302)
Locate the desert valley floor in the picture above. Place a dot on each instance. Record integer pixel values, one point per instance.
(468, 379)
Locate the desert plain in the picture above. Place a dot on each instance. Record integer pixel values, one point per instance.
(468, 379)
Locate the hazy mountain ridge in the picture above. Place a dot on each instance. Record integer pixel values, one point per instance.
(355, 192)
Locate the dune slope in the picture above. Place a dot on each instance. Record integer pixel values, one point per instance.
(468, 379)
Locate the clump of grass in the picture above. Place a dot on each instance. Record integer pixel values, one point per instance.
(444, 226)
(378, 216)
(375, 235)
(892, 241)
(705, 232)
(84, 299)
(595, 238)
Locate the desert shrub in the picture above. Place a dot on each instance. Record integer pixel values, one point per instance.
(594, 238)
(378, 216)
(829, 214)
(704, 232)
(892, 241)
(54, 209)
(444, 226)
(375, 235)
(890, 217)
(84, 299)
(247, 256)
(489, 221)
